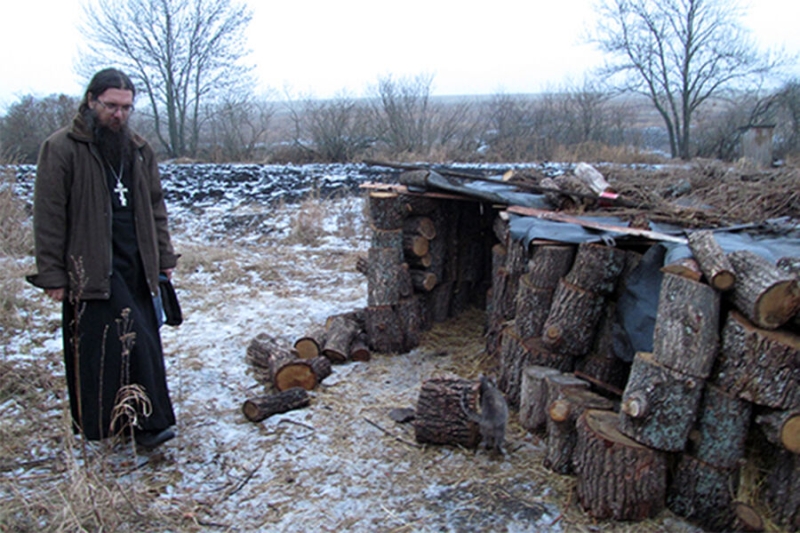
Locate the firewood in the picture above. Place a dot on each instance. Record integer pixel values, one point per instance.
(359, 349)
(382, 238)
(357, 315)
(686, 267)
(321, 366)
(601, 366)
(713, 262)
(533, 397)
(340, 335)
(703, 493)
(549, 263)
(659, 405)
(765, 294)
(571, 323)
(415, 204)
(782, 489)
(596, 268)
(616, 477)
(722, 424)
(562, 434)
(310, 345)
(532, 307)
(423, 280)
(262, 407)
(686, 335)
(279, 365)
(781, 428)
(415, 245)
(440, 418)
(384, 333)
(386, 210)
(424, 261)
(758, 365)
(383, 277)
(418, 225)
(410, 320)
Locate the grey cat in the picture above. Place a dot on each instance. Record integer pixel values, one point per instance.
(493, 416)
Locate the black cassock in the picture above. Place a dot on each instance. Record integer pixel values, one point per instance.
(100, 365)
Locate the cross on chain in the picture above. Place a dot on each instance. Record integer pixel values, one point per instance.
(120, 189)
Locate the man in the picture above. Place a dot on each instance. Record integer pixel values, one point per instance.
(101, 239)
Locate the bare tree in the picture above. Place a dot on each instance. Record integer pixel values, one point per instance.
(237, 126)
(181, 52)
(404, 113)
(680, 53)
(29, 121)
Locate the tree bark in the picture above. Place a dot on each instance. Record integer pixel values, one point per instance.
(533, 397)
(782, 428)
(703, 493)
(596, 268)
(385, 210)
(532, 308)
(383, 277)
(712, 260)
(340, 335)
(262, 407)
(384, 333)
(721, 429)
(782, 490)
(278, 365)
(572, 320)
(440, 418)
(549, 263)
(686, 267)
(765, 294)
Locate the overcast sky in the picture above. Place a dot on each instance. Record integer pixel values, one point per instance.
(322, 47)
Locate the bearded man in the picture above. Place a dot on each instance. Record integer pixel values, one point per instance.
(101, 240)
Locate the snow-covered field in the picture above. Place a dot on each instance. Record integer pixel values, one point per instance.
(259, 261)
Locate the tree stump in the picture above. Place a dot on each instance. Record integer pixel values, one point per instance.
(758, 365)
(782, 490)
(549, 263)
(686, 336)
(386, 210)
(262, 407)
(533, 397)
(722, 424)
(596, 268)
(310, 345)
(703, 493)
(765, 294)
(340, 335)
(659, 405)
(532, 308)
(616, 477)
(715, 265)
(562, 434)
(782, 428)
(572, 320)
(440, 418)
(384, 332)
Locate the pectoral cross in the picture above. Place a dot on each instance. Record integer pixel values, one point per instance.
(120, 189)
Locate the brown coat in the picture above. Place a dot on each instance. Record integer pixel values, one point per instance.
(72, 214)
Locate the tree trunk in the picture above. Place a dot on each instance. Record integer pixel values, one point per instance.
(440, 418)
(262, 407)
(616, 477)
(386, 210)
(712, 260)
(765, 294)
(659, 405)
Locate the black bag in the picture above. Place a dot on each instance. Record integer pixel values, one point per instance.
(172, 308)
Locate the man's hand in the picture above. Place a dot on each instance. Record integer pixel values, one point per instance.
(168, 272)
(57, 295)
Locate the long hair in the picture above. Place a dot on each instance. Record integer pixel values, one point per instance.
(109, 78)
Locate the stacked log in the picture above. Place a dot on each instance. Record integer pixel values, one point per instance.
(274, 364)
(440, 417)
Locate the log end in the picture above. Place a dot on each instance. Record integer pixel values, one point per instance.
(747, 518)
(778, 304)
(790, 434)
(306, 348)
(559, 411)
(298, 374)
(724, 281)
(634, 406)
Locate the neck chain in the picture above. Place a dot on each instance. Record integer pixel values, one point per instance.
(120, 189)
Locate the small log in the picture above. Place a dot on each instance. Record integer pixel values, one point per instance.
(596, 268)
(321, 366)
(703, 493)
(571, 323)
(277, 365)
(440, 418)
(722, 424)
(422, 280)
(782, 489)
(516, 354)
(418, 225)
(561, 432)
(532, 307)
(383, 277)
(357, 315)
(359, 350)
(712, 259)
(340, 335)
(765, 294)
(782, 428)
(384, 333)
(758, 365)
(425, 261)
(310, 345)
(549, 263)
(686, 267)
(616, 477)
(659, 405)
(533, 397)
(415, 245)
(262, 407)
(686, 336)
(386, 210)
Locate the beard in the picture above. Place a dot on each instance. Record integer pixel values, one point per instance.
(114, 144)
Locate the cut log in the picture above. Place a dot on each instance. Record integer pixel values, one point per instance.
(561, 432)
(659, 405)
(440, 418)
(765, 294)
(414, 204)
(410, 320)
(357, 315)
(359, 350)
(340, 335)
(262, 407)
(550, 263)
(386, 210)
(310, 345)
(439, 301)
(393, 239)
(383, 277)
(278, 365)
(616, 477)
(321, 366)
(721, 429)
(703, 493)
(422, 280)
(533, 397)
(425, 261)
(572, 320)
(405, 287)
(384, 333)
(532, 307)
(758, 365)
(782, 490)
(415, 245)
(596, 268)
(713, 262)
(419, 225)
(686, 336)
(782, 428)
(686, 267)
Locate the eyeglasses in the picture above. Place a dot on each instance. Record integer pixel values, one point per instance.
(113, 108)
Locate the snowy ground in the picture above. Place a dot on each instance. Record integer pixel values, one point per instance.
(341, 464)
